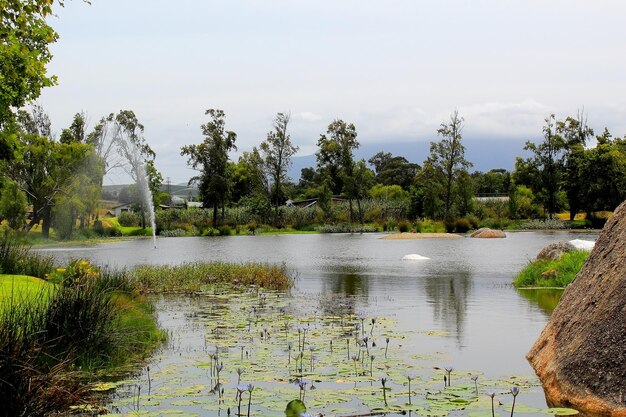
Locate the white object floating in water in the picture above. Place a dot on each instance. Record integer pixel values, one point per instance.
(583, 244)
(414, 257)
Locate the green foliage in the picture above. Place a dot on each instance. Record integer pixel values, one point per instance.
(394, 170)
(447, 159)
(94, 321)
(295, 408)
(403, 226)
(393, 193)
(13, 205)
(194, 277)
(24, 53)
(277, 151)
(16, 258)
(347, 228)
(128, 219)
(211, 159)
(334, 158)
(543, 224)
(225, 230)
(552, 273)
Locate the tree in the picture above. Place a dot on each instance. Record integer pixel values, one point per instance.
(334, 157)
(25, 37)
(13, 205)
(277, 151)
(575, 134)
(44, 170)
(448, 158)
(547, 163)
(394, 170)
(211, 159)
(358, 184)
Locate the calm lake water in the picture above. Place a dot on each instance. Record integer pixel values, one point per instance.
(463, 292)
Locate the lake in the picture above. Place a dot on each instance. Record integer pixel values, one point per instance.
(458, 307)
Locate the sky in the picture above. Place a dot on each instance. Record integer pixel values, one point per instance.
(396, 69)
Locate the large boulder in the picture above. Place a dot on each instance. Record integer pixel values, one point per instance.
(486, 233)
(580, 356)
(555, 250)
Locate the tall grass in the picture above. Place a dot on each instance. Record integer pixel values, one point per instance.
(196, 276)
(16, 258)
(552, 273)
(90, 320)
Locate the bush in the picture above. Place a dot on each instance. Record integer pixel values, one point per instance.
(346, 228)
(173, 233)
(128, 219)
(403, 226)
(462, 225)
(16, 258)
(449, 225)
(224, 230)
(552, 273)
(547, 224)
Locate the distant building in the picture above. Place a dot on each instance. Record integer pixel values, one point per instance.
(118, 210)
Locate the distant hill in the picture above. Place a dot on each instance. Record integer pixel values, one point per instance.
(178, 190)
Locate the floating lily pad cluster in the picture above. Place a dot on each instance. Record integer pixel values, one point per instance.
(260, 351)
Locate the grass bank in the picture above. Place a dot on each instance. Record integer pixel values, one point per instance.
(198, 276)
(60, 334)
(552, 273)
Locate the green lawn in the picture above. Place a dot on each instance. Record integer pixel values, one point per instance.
(22, 288)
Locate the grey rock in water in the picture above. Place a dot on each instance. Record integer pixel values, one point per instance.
(580, 355)
(555, 250)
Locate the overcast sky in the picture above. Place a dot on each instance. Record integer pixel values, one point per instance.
(396, 69)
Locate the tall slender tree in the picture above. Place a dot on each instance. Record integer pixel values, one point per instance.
(211, 158)
(277, 151)
(448, 157)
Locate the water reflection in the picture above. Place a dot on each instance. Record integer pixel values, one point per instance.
(347, 287)
(449, 295)
(546, 299)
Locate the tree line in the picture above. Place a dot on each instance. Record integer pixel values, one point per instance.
(570, 168)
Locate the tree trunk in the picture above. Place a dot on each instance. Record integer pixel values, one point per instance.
(358, 204)
(350, 214)
(215, 207)
(47, 220)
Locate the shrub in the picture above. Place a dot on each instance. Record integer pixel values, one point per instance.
(552, 273)
(547, 224)
(128, 219)
(403, 226)
(224, 230)
(461, 225)
(16, 258)
(173, 233)
(449, 225)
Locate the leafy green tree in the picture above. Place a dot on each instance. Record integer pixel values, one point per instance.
(25, 37)
(430, 190)
(544, 170)
(334, 157)
(277, 151)
(76, 131)
(394, 170)
(335, 160)
(447, 157)
(13, 205)
(393, 193)
(605, 169)
(211, 159)
(494, 181)
(358, 184)
(44, 170)
(575, 134)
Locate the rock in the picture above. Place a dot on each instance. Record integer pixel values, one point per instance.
(555, 250)
(486, 233)
(414, 257)
(580, 355)
(583, 244)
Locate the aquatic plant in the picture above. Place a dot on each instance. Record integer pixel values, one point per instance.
(492, 395)
(386, 347)
(383, 381)
(514, 392)
(250, 389)
(409, 377)
(475, 379)
(449, 370)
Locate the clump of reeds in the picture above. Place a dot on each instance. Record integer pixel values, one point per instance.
(196, 276)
